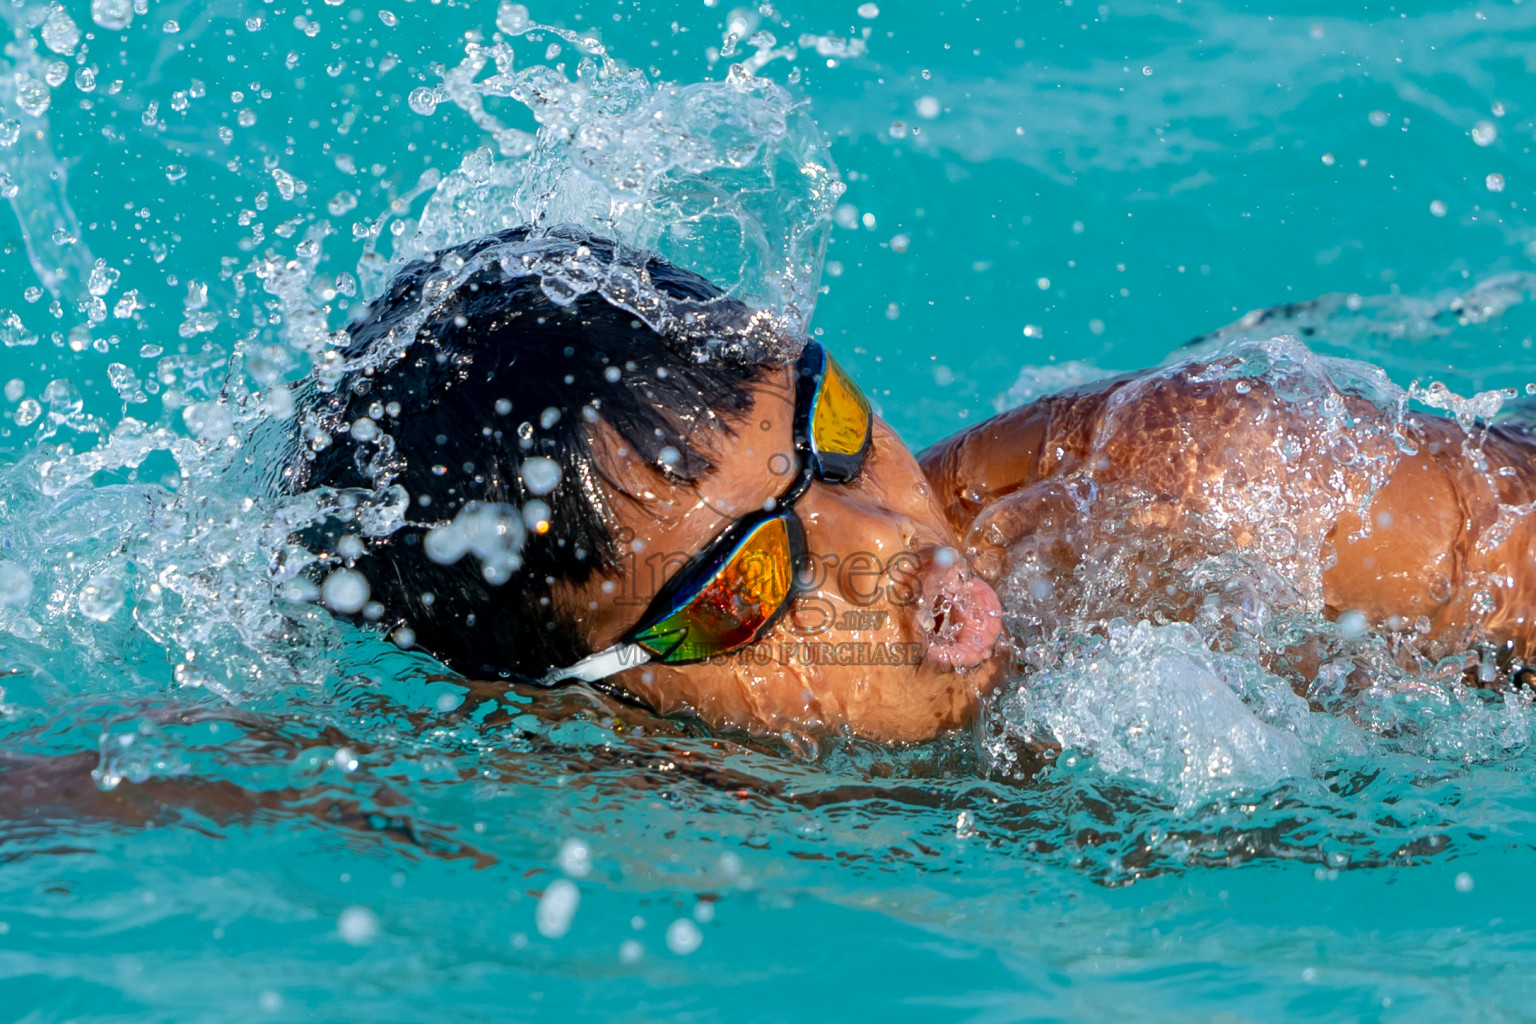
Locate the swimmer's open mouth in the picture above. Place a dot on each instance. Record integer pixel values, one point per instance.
(961, 617)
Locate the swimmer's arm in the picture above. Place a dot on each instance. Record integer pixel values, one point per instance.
(1443, 548)
(1012, 450)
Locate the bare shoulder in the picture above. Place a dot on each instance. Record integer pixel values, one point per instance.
(1014, 450)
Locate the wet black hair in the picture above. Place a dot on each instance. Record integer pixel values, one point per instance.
(441, 410)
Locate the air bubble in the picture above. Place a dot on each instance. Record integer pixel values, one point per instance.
(1485, 133)
(1494, 182)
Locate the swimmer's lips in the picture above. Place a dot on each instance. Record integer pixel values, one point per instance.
(974, 605)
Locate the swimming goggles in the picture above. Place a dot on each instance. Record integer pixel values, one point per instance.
(738, 587)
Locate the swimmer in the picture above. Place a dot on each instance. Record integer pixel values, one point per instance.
(571, 496)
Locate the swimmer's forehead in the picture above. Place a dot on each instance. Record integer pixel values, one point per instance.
(752, 456)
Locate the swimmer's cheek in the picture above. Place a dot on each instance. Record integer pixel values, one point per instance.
(807, 689)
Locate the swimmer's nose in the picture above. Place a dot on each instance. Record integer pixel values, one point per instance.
(840, 517)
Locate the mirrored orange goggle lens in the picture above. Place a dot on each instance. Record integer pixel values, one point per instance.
(736, 604)
(840, 418)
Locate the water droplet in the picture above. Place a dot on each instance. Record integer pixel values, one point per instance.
(1327, 159)
(512, 18)
(15, 585)
(345, 591)
(928, 108)
(1437, 208)
(683, 936)
(1464, 881)
(1352, 625)
(1484, 133)
(101, 597)
(113, 15)
(85, 80)
(388, 18)
(33, 97)
(1378, 118)
(536, 516)
(630, 951)
(556, 908)
(60, 33)
(1495, 182)
(575, 858)
(540, 475)
(357, 926)
(423, 101)
(869, 11)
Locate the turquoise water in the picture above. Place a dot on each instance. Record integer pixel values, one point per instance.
(221, 806)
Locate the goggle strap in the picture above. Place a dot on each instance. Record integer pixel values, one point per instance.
(601, 665)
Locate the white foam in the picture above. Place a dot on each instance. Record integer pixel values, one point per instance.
(1153, 704)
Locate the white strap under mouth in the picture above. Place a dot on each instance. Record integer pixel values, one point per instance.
(600, 665)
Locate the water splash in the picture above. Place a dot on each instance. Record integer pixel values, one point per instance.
(1175, 647)
(730, 179)
(159, 541)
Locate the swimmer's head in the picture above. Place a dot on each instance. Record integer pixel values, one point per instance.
(621, 451)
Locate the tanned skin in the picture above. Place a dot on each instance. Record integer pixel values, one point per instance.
(1449, 545)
